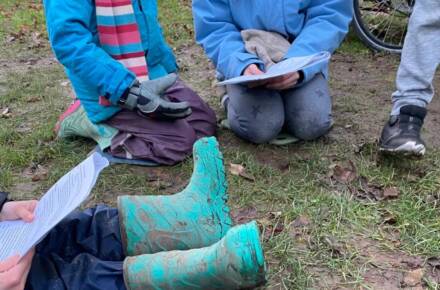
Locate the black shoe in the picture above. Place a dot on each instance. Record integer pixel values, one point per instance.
(401, 135)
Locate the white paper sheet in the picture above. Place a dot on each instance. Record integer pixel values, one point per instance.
(18, 237)
(287, 66)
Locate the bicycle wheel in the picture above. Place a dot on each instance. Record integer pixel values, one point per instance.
(382, 24)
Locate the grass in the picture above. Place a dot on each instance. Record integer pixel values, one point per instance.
(323, 254)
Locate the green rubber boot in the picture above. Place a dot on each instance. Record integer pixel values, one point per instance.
(235, 262)
(74, 122)
(194, 218)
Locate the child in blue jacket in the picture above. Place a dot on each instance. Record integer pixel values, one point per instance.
(122, 72)
(299, 102)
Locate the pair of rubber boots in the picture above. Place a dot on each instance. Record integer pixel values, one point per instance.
(185, 241)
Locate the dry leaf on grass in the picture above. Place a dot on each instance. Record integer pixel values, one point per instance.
(299, 226)
(36, 40)
(434, 262)
(240, 170)
(301, 221)
(371, 191)
(413, 278)
(6, 113)
(344, 174)
(38, 173)
(272, 224)
(244, 215)
(337, 248)
(388, 217)
(413, 262)
(391, 192)
(10, 39)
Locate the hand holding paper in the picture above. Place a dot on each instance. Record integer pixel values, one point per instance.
(284, 82)
(285, 67)
(253, 70)
(18, 210)
(14, 271)
(18, 237)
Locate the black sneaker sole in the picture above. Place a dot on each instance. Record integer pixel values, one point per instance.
(410, 148)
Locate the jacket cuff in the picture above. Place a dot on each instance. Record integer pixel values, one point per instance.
(239, 62)
(311, 72)
(123, 82)
(3, 199)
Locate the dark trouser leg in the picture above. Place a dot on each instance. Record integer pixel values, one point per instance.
(257, 114)
(83, 252)
(309, 109)
(164, 142)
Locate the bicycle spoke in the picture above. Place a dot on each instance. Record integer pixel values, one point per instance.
(388, 27)
(386, 20)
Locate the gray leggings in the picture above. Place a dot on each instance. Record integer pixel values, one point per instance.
(258, 115)
(420, 57)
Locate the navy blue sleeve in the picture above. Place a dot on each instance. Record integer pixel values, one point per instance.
(3, 199)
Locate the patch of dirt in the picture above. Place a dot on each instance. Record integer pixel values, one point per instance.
(362, 86)
(29, 182)
(386, 269)
(161, 179)
(392, 269)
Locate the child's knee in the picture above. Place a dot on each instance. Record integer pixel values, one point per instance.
(310, 128)
(257, 132)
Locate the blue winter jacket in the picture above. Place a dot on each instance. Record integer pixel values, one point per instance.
(73, 34)
(311, 26)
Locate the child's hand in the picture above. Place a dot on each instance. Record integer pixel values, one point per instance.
(14, 271)
(18, 210)
(283, 82)
(253, 70)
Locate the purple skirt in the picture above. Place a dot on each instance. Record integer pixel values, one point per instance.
(162, 141)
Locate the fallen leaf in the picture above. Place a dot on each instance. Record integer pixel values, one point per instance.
(391, 192)
(244, 215)
(299, 226)
(344, 174)
(10, 39)
(39, 173)
(371, 191)
(413, 278)
(413, 262)
(33, 99)
(272, 224)
(65, 83)
(273, 230)
(162, 184)
(5, 113)
(336, 247)
(301, 221)
(36, 39)
(151, 177)
(240, 170)
(434, 262)
(388, 217)
(366, 190)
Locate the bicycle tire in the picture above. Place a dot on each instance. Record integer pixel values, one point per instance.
(365, 35)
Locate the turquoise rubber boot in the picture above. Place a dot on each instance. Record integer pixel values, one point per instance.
(194, 218)
(235, 262)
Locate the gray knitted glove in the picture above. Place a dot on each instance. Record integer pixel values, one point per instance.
(147, 99)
